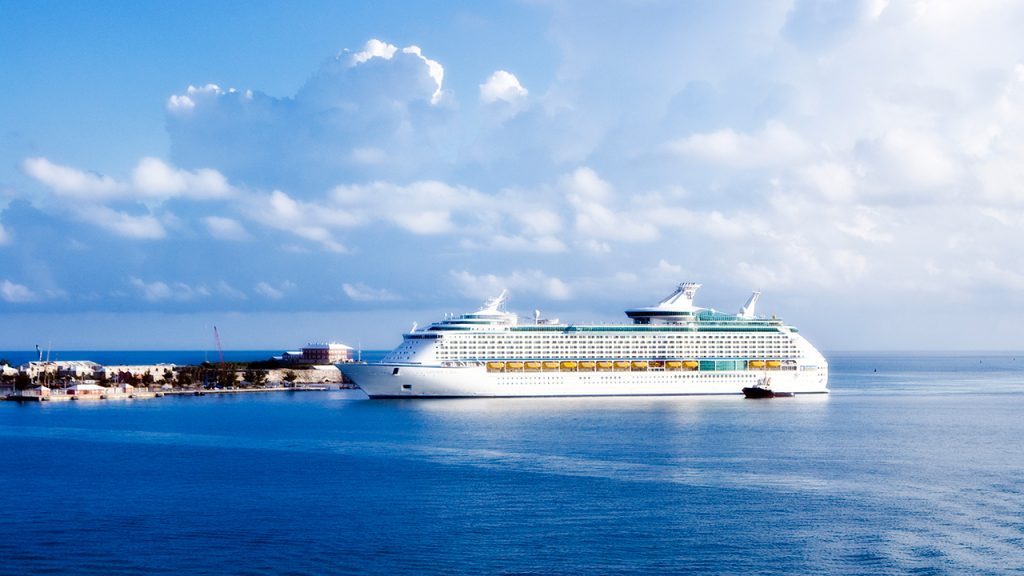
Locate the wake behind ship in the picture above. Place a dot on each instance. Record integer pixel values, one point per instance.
(672, 348)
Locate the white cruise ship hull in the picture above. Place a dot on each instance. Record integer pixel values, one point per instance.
(387, 380)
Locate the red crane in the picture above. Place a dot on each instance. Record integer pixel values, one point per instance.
(220, 350)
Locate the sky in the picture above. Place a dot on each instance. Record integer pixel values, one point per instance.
(335, 171)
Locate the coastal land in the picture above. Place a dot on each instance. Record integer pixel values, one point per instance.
(43, 381)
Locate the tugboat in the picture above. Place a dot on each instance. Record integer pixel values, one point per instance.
(763, 389)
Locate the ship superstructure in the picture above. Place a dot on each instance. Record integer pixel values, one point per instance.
(672, 348)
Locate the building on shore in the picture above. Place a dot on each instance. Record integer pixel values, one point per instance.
(76, 369)
(319, 354)
(60, 369)
(124, 372)
(86, 390)
(36, 369)
(326, 353)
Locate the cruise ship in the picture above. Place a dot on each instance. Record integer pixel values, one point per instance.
(672, 348)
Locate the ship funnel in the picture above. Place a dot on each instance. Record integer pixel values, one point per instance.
(748, 309)
(682, 298)
(494, 304)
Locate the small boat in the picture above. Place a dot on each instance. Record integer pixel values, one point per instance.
(495, 366)
(763, 389)
(550, 365)
(568, 365)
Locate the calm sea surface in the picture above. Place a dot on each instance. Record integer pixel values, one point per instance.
(913, 465)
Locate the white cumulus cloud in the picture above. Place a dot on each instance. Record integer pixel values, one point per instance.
(70, 181)
(267, 291)
(502, 86)
(362, 293)
(153, 177)
(528, 282)
(138, 226)
(16, 293)
(158, 291)
(179, 103)
(776, 144)
(374, 49)
(226, 228)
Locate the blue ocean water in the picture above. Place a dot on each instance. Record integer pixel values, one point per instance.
(912, 465)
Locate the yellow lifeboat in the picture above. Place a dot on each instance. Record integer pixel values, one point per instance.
(773, 363)
(691, 364)
(550, 365)
(622, 364)
(656, 364)
(495, 366)
(532, 366)
(516, 366)
(568, 365)
(604, 365)
(587, 365)
(639, 365)
(756, 364)
(673, 365)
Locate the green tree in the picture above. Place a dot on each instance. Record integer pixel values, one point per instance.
(22, 381)
(148, 378)
(169, 376)
(227, 377)
(290, 377)
(185, 378)
(255, 377)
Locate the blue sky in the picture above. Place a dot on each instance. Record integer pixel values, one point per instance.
(337, 171)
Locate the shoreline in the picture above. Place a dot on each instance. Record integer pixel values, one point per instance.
(144, 394)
